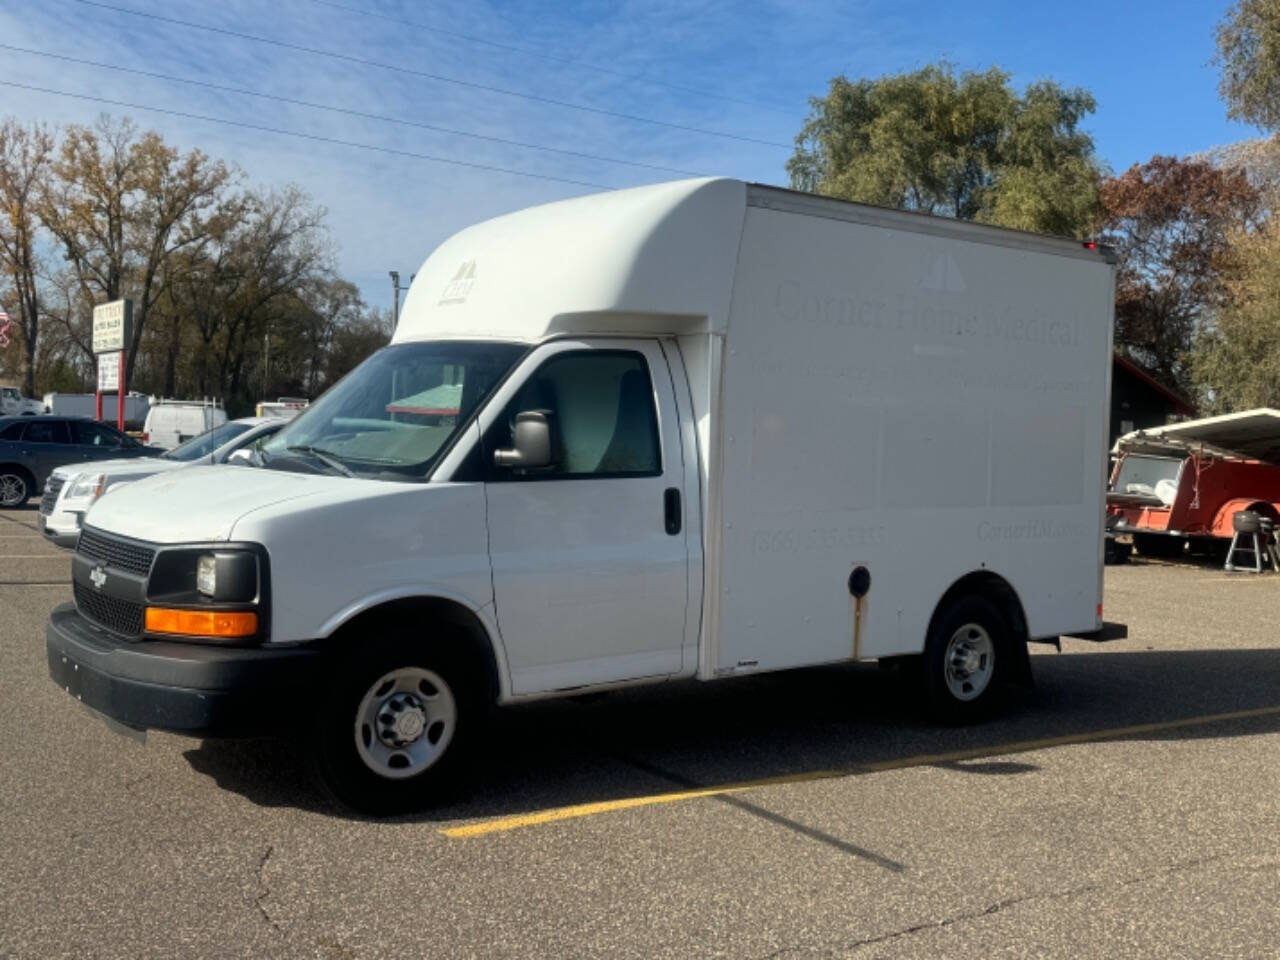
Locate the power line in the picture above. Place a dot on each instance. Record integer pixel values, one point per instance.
(353, 113)
(347, 58)
(303, 136)
(525, 51)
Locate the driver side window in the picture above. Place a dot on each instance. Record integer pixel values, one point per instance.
(600, 407)
(95, 435)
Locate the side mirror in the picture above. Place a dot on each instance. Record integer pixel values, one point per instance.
(243, 455)
(532, 442)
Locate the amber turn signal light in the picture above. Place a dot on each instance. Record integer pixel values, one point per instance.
(202, 623)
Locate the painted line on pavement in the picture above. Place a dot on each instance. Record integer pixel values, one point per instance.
(577, 811)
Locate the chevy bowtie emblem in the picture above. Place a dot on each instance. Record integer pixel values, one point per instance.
(98, 576)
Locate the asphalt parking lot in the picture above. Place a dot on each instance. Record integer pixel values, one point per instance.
(1128, 806)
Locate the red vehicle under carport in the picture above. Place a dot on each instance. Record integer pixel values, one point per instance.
(1181, 484)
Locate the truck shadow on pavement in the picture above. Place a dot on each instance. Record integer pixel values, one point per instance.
(842, 720)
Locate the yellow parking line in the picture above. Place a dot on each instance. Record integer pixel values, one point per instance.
(504, 824)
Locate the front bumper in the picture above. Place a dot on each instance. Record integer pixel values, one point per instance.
(194, 689)
(58, 537)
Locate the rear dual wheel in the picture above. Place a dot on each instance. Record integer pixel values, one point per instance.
(964, 659)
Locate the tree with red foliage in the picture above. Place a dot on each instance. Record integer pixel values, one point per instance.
(1172, 221)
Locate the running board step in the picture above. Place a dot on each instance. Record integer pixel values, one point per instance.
(1108, 631)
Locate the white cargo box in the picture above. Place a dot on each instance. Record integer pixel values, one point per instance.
(923, 397)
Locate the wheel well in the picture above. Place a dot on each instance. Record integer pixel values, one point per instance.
(993, 587)
(1265, 508)
(464, 626)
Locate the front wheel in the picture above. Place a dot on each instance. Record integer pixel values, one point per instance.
(963, 656)
(396, 726)
(15, 489)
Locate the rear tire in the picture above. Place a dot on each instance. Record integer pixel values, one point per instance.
(965, 659)
(399, 718)
(15, 488)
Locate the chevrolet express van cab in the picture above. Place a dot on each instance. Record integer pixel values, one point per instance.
(700, 429)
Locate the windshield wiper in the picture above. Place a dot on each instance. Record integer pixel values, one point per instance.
(324, 456)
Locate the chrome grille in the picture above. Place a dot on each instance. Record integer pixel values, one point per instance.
(115, 553)
(51, 488)
(118, 616)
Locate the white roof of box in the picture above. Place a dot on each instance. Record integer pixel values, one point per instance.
(646, 253)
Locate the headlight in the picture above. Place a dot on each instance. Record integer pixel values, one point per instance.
(210, 591)
(207, 574)
(199, 575)
(87, 486)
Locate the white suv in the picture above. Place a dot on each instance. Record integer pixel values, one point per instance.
(73, 488)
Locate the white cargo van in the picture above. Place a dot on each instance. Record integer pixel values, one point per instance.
(701, 429)
(172, 422)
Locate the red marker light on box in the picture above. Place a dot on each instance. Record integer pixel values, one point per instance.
(1090, 244)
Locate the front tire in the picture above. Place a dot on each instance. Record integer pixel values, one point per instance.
(965, 659)
(15, 488)
(397, 725)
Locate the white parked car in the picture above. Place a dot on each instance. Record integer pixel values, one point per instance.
(14, 404)
(171, 422)
(72, 489)
(694, 430)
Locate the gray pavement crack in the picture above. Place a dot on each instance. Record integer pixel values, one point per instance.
(264, 890)
(1000, 905)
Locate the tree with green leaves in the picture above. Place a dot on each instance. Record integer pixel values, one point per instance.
(1248, 54)
(1236, 362)
(967, 146)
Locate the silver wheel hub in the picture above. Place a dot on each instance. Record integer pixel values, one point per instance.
(11, 488)
(405, 722)
(401, 720)
(969, 662)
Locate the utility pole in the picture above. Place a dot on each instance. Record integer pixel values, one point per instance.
(395, 291)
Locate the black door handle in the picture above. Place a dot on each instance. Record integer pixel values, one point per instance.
(671, 508)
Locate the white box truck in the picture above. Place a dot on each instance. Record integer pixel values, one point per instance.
(700, 429)
(14, 404)
(86, 405)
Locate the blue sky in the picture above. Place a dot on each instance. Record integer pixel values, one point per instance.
(752, 66)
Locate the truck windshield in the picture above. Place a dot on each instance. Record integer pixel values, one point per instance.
(391, 416)
(1155, 476)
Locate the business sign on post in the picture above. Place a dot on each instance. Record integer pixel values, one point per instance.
(112, 326)
(109, 372)
(112, 334)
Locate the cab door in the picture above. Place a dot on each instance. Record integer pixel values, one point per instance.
(589, 560)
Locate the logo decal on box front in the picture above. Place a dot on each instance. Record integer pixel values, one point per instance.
(457, 289)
